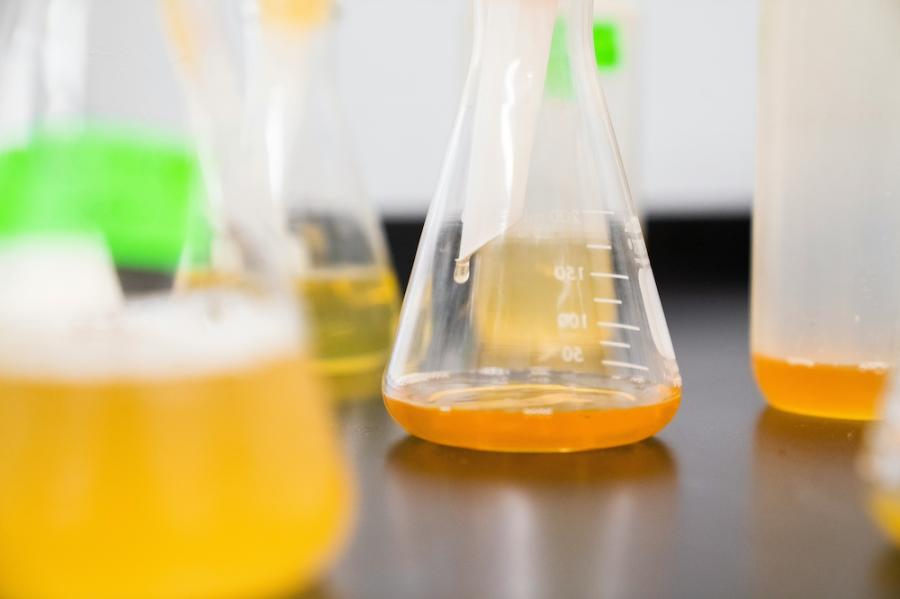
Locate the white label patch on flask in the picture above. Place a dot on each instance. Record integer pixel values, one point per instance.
(512, 71)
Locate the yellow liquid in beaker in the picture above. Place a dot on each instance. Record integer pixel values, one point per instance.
(218, 485)
(533, 418)
(352, 313)
(828, 390)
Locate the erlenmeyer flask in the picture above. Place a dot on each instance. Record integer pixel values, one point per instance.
(532, 320)
(342, 267)
(154, 442)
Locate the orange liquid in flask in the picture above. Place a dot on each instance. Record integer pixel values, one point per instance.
(533, 418)
(828, 390)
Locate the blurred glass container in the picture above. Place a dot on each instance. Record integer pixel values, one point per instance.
(155, 441)
(827, 211)
(343, 270)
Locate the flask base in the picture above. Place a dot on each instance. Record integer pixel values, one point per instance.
(531, 418)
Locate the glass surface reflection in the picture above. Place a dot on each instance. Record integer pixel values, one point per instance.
(808, 510)
(534, 525)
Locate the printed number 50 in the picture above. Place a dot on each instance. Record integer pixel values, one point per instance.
(572, 353)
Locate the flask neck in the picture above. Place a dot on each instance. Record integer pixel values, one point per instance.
(575, 16)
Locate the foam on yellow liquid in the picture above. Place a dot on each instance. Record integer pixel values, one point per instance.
(172, 459)
(850, 392)
(352, 313)
(534, 307)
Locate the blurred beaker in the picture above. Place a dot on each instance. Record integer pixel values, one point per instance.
(155, 441)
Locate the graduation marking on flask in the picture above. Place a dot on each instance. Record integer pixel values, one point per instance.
(618, 325)
(609, 275)
(605, 300)
(626, 365)
(617, 344)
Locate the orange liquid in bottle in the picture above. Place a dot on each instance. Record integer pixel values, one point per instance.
(829, 390)
(532, 418)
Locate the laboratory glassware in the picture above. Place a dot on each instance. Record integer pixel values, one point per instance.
(154, 441)
(826, 215)
(532, 320)
(342, 268)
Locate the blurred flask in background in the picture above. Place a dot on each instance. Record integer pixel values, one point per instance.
(155, 441)
(341, 264)
(827, 212)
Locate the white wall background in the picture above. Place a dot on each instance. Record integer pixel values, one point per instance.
(402, 64)
(403, 61)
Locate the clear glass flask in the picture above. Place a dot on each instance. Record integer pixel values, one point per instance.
(826, 214)
(532, 320)
(342, 267)
(155, 442)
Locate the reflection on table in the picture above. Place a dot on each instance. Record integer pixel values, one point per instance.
(531, 525)
(807, 495)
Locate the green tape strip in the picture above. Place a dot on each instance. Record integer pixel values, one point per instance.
(607, 45)
(607, 50)
(136, 190)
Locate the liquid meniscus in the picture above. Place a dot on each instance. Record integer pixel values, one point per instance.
(531, 417)
(850, 392)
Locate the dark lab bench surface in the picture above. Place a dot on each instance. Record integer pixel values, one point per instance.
(731, 500)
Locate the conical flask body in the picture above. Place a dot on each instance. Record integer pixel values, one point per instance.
(532, 321)
(156, 440)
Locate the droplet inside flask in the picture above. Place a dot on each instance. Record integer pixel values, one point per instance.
(462, 270)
